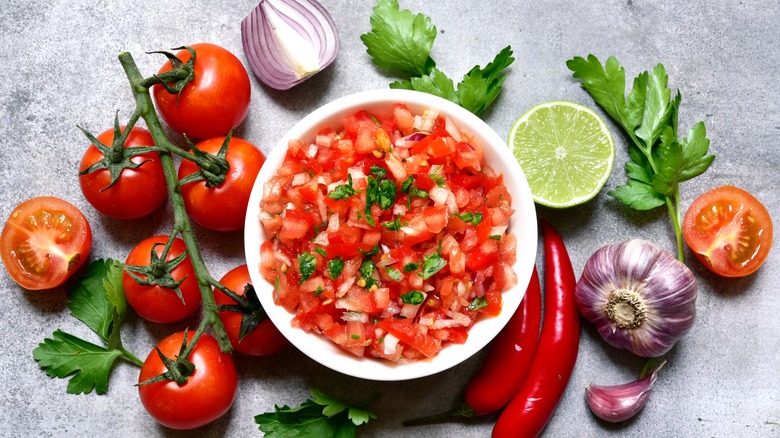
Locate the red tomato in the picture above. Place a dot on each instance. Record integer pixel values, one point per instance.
(265, 338)
(223, 208)
(137, 192)
(729, 230)
(45, 241)
(215, 102)
(207, 394)
(156, 303)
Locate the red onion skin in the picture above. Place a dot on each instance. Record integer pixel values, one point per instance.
(666, 285)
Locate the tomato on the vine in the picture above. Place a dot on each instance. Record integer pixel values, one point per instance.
(729, 231)
(44, 241)
(137, 192)
(265, 338)
(213, 103)
(223, 208)
(157, 303)
(207, 394)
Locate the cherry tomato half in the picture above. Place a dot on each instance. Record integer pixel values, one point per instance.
(223, 208)
(265, 339)
(44, 241)
(215, 102)
(208, 393)
(729, 230)
(137, 192)
(156, 303)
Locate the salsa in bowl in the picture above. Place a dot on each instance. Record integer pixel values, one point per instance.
(390, 235)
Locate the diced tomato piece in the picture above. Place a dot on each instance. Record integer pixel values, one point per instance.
(295, 224)
(365, 142)
(468, 181)
(435, 218)
(494, 303)
(407, 332)
(498, 196)
(440, 147)
(466, 156)
(478, 260)
(423, 181)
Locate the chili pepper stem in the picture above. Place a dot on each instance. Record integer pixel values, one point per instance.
(182, 223)
(464, 412)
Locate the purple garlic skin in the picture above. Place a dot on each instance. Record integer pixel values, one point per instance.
(639, 297)
(620, 402)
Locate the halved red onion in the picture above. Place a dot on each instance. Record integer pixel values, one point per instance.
(288, 41)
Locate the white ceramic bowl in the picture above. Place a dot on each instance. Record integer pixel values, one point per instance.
(523, 225)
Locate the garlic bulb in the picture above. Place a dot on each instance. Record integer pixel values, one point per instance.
(640, 298)
(620, 402)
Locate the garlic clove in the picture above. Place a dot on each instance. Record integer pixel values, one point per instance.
(620, 402)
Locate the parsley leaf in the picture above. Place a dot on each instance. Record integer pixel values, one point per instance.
(335, 266)
(471, 218)
(378, 171)
(87, 364)
(366, 271)
(307, 264)
(478, 303)
(343, 191)
(436, 83)
(409, 267)
(659, 161)
(393, 225)
(413, 297)
(97, 300)
(480, 87)
(323, 417)
(395, 274)
(431, 265)
(400, 40)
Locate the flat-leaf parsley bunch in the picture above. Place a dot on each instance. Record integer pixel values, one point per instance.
(401, 41)
(659, 161)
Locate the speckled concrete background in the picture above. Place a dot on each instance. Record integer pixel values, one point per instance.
(58, 67)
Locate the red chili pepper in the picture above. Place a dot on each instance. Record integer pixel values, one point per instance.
(510, 355)
(532, 407)
(506, 364)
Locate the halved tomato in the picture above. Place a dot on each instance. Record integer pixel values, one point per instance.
(729, 230)
(44, 242)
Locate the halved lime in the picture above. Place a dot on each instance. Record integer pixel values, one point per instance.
(565, 150)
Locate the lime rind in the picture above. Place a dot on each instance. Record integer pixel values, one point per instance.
(565, 150)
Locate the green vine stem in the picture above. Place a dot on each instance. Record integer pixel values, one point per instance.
(182, 224)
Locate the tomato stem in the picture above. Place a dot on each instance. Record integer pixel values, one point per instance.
(145, 107)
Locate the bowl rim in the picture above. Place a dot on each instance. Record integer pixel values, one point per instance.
(324, 351)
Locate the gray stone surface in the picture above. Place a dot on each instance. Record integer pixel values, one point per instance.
(59, 68)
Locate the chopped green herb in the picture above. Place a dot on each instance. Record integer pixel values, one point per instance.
(343, 191)
(307, 264)
(374, 251)
(378, 123)
(407, 184)
(320, 251)
(366, 271)
(478, 303)
(470, 218)
(335, 266)
(276, 283)
(496, 237)
(318, 291)
(356, 337)
(438, 179)
(395, 274)
(413, 297)
(431, 265)
(378, 171)
(393, 225)
(409, 267)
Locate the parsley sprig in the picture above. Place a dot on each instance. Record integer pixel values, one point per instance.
(324, 417)
(401, 40)
(659, 161)
(98, 301)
